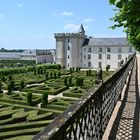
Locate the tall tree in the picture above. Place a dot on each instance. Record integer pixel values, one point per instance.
(128, 16)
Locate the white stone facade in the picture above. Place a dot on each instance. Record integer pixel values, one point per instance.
(40, 56)
(78, 50)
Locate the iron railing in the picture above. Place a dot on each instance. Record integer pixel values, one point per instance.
(88, 117)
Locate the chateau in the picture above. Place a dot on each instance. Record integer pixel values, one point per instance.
(79, 50)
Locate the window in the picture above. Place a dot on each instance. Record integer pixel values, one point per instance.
(130, 49)
(100, 49)
(84, 57)
(89, 56)
(84, 49)
(100, 64)
(119, 56)
(108, 56)
(68, 40)
(119, 50)
(100, 56)
(68, 47)
(89, 64)
(68, 64)
(108, 49)
(89, 49)
(68, 56)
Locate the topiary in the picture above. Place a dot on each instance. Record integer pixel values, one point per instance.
(21, 85)
(29, 98)
(65, 81)
(44, 99)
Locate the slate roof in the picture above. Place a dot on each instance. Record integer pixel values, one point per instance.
(107, 42)
(81, 30)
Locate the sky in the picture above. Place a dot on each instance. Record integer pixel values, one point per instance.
(31, 24)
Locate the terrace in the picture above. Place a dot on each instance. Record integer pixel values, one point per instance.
(71, 109)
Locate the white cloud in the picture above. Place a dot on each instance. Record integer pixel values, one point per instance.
(86, 20)
(66, 13)
(19, 5)
(74, 27)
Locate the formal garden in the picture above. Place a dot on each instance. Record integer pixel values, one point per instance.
(31, 97)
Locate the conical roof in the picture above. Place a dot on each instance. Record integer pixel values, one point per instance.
(81, 29)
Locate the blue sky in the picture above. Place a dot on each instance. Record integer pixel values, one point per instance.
(31, 24)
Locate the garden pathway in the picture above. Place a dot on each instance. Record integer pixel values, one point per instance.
(125, 121)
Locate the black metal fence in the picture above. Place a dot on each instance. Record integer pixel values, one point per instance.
(87, 119)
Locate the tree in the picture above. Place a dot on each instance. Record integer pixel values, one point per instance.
(128, 16)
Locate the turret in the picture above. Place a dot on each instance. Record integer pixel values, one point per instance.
(81, 29)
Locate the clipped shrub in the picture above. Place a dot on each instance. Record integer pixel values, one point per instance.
(78, 81)
(57, 107)
(70, 80)
(50, 74)
(47, 76)
(21, 85)
(58, 67)
(67, 94)
(3, 79)
(1, 87)
(55, 76)
(29, 98)
(65, 81)
(107, 68)
(9, 89)
(81, 81)
(77, 69)
(35, 72)
(44, 99)
(10, 77)
(89, 72)
(71, 70)
(61, 90)
(59, 74)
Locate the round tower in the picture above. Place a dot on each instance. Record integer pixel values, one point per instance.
(68, 48)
